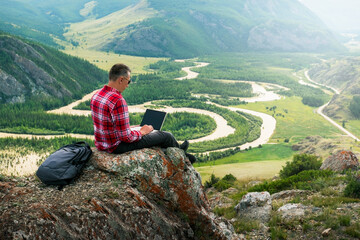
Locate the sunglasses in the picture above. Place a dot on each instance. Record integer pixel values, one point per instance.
(129, 80)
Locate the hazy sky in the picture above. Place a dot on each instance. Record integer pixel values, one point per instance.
(339, 15)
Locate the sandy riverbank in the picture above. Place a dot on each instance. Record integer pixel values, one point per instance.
(190, 74)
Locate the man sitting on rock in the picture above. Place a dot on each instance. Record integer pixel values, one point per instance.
(110, 115)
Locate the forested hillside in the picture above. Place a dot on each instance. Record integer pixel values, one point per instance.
(30, 72)
(171, 28)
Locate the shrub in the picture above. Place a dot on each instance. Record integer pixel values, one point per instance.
(303, 180)
(313, 101)
(222, 185)
(300, 163)
(213, 180)
(355, 106)
(353, 188)
(229, 178)
(226, 182)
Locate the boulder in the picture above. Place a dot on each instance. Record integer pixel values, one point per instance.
(143, 194)
(255, 206)
(341, 161)
(292, 211)
(220, 201)
(288, 194)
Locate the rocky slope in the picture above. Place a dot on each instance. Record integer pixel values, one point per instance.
(30, 70)
(144, 194)
(151, 194)
(317, 209)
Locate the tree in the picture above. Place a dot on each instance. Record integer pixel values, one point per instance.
(300, 163)
(355, 106)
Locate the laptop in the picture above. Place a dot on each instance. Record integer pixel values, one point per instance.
(154, 118)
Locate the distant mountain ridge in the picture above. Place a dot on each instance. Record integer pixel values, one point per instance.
(185, 28)
(32, 71)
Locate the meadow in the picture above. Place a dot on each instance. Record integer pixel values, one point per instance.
(353, 126)
(295, 120)
(253, 164)
(105, 60)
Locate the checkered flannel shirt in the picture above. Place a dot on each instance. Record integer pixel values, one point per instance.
(110, 115)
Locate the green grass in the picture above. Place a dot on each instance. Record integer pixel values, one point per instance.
(257, 163)
(265, 153)
(257, 170)
(95, 32)
(352, 126)
(294, 120)
(105, 60)
(331, 202)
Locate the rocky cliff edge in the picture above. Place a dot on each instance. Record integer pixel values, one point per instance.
(143, 194)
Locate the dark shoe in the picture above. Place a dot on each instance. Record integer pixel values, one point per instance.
(185, 145)
(191, 157)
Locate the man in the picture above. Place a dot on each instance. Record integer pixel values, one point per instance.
(110, 115)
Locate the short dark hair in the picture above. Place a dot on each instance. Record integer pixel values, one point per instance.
(118, 70)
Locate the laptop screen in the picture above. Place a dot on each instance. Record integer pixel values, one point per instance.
(154, 118)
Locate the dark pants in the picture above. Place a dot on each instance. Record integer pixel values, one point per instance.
(155, 138)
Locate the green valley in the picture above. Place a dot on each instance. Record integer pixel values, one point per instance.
(153, 33)
(264, 91)
(224, 77)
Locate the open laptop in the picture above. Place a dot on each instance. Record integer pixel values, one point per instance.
(154, 118)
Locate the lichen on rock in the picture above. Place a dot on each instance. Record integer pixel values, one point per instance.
(341, 161)
(143, 194)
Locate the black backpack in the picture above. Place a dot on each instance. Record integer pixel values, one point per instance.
(64, 165)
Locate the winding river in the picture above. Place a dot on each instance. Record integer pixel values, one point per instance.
(222, 129)
(262, 91)
(29, 163)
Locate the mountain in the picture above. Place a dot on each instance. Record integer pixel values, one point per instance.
(175, 28)
(32, 71)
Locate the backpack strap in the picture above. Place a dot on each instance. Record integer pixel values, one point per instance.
(82, 143)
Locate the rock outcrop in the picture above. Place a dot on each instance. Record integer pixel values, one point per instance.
(341, 161)
(144, 194)
(292, 211)
(255, 206)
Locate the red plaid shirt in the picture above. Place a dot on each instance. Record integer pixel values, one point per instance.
(110, 115)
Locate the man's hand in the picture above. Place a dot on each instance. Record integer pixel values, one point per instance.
(146, 129)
